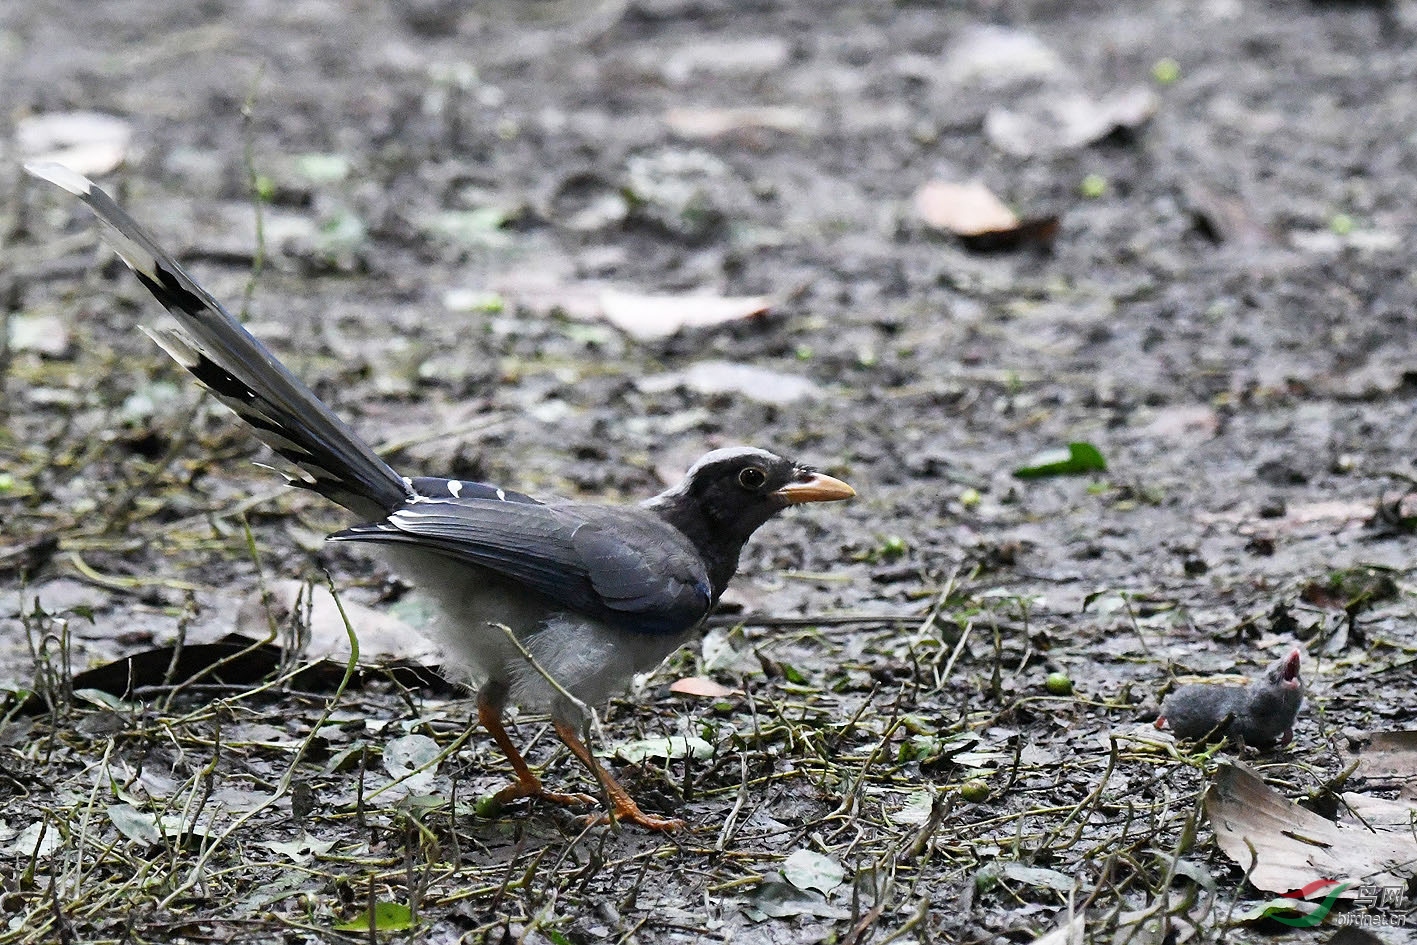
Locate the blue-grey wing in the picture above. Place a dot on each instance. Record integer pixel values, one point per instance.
(613, 564)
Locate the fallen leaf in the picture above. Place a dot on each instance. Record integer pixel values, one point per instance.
(668, 747)
(1226, 218)
(38, 841)
(1391, 757)
(705, 123)
(727, 377)
(1183, 423)
(1284, 847)
(382, 637)
(323, 168)
(145, 828)
(916, 809)
(479, 228)
(403, 759)
(1037, 876)
(963, 209)
(700, 686)
(45, 335)
(1067, 122)
(89, 143)
(302, 849)
(981, 220)
(774, 900)
(388, 917)
(652, 317)
(808, 869)
(1073, 459)
(1069, 933)
(998, 54)
(737, 55)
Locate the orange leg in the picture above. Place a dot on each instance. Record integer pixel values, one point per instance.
(624, 805)
(527, 783)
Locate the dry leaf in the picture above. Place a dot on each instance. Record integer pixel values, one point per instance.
(382, 636)
(1226, 218)
(963, 209)
(1067, 122)
(1284, 847)
(728, 377)
(1391, 757)
(998, 55)
(981, 221)
(700, 686)
(652, 317)
(1070, 932)
(703, 123)
(1333, 514)
(89, 143)
(1183, 423)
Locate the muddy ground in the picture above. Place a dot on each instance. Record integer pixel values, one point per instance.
(1225, 312)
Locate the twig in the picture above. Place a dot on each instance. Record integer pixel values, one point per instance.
(561, 690)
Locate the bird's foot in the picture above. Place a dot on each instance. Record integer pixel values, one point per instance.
(533, 789)
(636, 816)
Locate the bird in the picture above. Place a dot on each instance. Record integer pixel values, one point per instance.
(552, 605)
(1261, 714)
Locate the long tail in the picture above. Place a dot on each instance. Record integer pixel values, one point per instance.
(239, 370)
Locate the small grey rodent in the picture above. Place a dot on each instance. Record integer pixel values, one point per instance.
(1260, 714)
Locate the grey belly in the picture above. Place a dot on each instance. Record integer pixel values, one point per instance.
(587, 658)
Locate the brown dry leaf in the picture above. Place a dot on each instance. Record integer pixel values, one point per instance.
(652, 317)
(700, 686)
(1284, 847)
(1391, 757)
(981, 220)
(963, 209)
(706, 123)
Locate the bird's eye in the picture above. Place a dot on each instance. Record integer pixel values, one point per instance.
(752, 478)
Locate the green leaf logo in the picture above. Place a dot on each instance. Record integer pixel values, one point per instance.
(1305, 920)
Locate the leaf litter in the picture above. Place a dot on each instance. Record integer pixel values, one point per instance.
(953, 625)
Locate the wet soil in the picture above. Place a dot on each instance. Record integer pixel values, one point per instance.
(1226, 313)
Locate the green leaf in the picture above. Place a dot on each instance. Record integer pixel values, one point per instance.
(388, 917)
(1076, 458)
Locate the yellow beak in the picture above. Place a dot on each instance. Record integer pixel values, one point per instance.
(819, 487)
